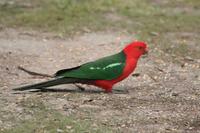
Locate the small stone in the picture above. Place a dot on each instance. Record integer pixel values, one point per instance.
(188, 58)
(123, 125)
(190, 128)
(154, 33)
(59, 130)
(44, 40)
(68, 127)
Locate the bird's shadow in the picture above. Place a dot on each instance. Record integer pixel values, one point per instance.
(59, 90)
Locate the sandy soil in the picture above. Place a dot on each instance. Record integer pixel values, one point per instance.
(164, 98)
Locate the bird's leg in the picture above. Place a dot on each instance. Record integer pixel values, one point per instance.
(80, 87)
(108, 91)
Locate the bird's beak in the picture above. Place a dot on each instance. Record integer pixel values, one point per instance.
(145, 53)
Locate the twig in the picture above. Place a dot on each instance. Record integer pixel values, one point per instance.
(34, 73)
(80, 87)
(159, 69)
(152, 78)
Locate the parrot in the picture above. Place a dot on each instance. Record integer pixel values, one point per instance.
(103, 73)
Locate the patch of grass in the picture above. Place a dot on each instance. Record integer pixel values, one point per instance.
(65, 16)
(44, 119)
(70, 16)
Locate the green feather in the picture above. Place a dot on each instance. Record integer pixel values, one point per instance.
(106, 68)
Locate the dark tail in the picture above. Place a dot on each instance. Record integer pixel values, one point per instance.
(52, 82)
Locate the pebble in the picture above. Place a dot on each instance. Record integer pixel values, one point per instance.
(59, 130)
(69, 127)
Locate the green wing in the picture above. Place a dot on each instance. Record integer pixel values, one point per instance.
(107, 68)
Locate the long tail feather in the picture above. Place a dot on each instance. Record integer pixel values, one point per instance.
(49, 83)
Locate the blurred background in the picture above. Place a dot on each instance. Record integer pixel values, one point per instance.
(150, 20)
(48, 35)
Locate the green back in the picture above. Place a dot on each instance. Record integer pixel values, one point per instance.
(107, 68)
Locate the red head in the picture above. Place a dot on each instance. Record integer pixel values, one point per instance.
(135, 49)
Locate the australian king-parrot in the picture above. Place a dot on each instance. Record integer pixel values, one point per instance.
(103, 73)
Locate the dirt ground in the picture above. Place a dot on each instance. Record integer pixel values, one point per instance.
(164, 98)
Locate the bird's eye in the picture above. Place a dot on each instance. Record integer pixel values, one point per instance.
(140, 48)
